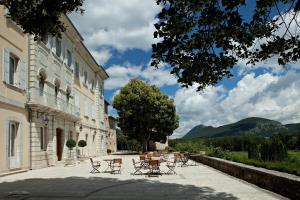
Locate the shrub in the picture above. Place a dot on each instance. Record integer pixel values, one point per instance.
(82, 143)
(218, 152)
(253, 151)
(108, 151)
(71, 143)
(273, 150)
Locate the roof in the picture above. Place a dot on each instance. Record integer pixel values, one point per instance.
(82, 39)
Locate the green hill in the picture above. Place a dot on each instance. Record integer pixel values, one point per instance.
(248, 126)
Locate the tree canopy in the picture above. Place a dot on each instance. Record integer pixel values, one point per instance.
(41, 17)
(203, 40)
(145, 113)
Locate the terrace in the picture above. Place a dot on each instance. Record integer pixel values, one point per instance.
(191, 182)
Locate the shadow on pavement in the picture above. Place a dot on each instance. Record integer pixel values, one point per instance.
(105, 188)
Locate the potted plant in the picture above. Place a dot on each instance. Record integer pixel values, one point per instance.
(108, 151)
(70, 144)
(81, 143)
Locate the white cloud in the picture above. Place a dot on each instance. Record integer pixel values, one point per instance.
(120, 24)
(121, 74)
(269, 96)
(272, 63)
(101, 55)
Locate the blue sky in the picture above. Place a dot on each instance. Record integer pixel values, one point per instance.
(120, 34)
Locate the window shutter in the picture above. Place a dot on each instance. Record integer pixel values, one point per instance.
(22, 75)
(6, 65)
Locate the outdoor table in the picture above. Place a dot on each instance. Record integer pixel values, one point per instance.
(109, 164)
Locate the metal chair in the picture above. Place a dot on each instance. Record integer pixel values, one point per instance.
(171, 166)
(116, 165)
(137, 167)
(154, 168)
(95, 165)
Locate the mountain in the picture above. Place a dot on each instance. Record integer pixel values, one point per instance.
(248, 126)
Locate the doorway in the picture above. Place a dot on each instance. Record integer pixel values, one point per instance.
(59, 144)
(14, 148)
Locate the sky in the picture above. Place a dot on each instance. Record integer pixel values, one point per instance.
(119, 35)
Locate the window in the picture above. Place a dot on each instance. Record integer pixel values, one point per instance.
(14, 72)
(77, 137)
(85, 77)
(76, 70)
(13, 131)
(86, 108)
(70, 135)
(93, 85)
(58, 47)
(56, 93)
(41, 86)
(69, 58)
(42, 138)
(13, 63)
(86, 137)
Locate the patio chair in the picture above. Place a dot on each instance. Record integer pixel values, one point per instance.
(143, 161)
(95, 165)
(116, 165)
(154, 168)
(137, 167)
(171, 166)
(183, 159)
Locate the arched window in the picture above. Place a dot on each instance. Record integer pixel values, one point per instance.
(42, 79)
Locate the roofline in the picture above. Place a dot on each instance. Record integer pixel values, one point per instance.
(82, 39)
(106, 102)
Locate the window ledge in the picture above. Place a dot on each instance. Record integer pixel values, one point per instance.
(57, 58)
(13, 87)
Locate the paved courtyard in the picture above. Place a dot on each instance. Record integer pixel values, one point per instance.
(193, 182)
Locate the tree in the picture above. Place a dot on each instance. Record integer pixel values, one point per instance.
(203, 40)
(41, 17)
(145, 113)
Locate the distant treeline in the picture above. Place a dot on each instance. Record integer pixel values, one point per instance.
(232, 143)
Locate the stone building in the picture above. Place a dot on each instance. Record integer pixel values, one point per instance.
(110, 124)
(14, 127)
(65, 98)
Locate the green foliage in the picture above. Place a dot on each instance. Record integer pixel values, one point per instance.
(218, 152)
(253, 150)
(203, 40)
(82, 143)
(71, 143)
(290, 165)
(273, 150)
(41, 17)
(108, 151)
(123, 143)
(145, 113)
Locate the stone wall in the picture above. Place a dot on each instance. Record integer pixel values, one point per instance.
(284, 184)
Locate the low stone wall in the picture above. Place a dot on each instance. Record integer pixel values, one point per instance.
(281, 183)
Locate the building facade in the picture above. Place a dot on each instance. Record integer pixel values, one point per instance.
(14, 126)
(65, 98)
(110, 124)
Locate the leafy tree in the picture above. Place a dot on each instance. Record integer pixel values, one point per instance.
(202, 40)
(145, 113)
(41, 17)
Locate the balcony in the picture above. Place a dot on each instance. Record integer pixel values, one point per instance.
(42, 101)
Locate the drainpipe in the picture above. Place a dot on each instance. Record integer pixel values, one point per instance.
(30, 136)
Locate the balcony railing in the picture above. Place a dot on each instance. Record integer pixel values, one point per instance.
(49, 100)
